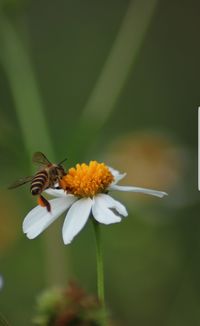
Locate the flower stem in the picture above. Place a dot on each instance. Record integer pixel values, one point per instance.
(100, 269)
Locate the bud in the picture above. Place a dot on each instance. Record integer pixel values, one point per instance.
(71, 306)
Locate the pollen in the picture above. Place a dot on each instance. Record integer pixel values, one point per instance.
(40, 202)
(87, 180)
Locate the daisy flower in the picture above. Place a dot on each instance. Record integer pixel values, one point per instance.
(85, 191)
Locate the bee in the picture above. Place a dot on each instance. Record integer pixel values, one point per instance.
(48, 176)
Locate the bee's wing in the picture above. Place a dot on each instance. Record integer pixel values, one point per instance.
(20, 182)
(40, 158)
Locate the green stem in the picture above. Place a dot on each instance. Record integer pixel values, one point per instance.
(20, 74)
(100, 269)
(113, 76)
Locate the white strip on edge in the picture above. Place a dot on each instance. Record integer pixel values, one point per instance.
(199, 148)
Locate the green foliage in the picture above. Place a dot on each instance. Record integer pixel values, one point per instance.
(56, 54)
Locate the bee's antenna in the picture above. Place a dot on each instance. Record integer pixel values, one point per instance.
(62, 161)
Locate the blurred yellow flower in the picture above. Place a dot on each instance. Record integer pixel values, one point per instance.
(150, 159)
(8, 224)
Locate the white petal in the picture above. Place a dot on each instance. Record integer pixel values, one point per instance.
(56, 192)
(110, 202)
(117, 175)
(139, 190)
(102, 213)
(76, 218)
(38, 219)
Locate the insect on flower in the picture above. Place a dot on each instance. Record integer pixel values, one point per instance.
(85, 193)
(48, 176)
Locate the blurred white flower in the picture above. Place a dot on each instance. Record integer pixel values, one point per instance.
(84, 191)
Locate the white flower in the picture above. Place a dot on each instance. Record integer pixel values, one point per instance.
(87, 188)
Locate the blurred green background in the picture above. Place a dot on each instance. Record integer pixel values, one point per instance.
(116, 81)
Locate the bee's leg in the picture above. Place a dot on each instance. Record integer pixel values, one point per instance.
(44, 203)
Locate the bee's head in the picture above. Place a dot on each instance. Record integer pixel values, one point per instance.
(56, 172)
(60, 171)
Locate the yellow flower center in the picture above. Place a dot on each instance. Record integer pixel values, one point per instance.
(87, 180)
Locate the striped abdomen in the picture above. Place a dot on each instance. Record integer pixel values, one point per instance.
(39, 182)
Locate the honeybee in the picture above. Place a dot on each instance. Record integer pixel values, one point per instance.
(48, 176)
